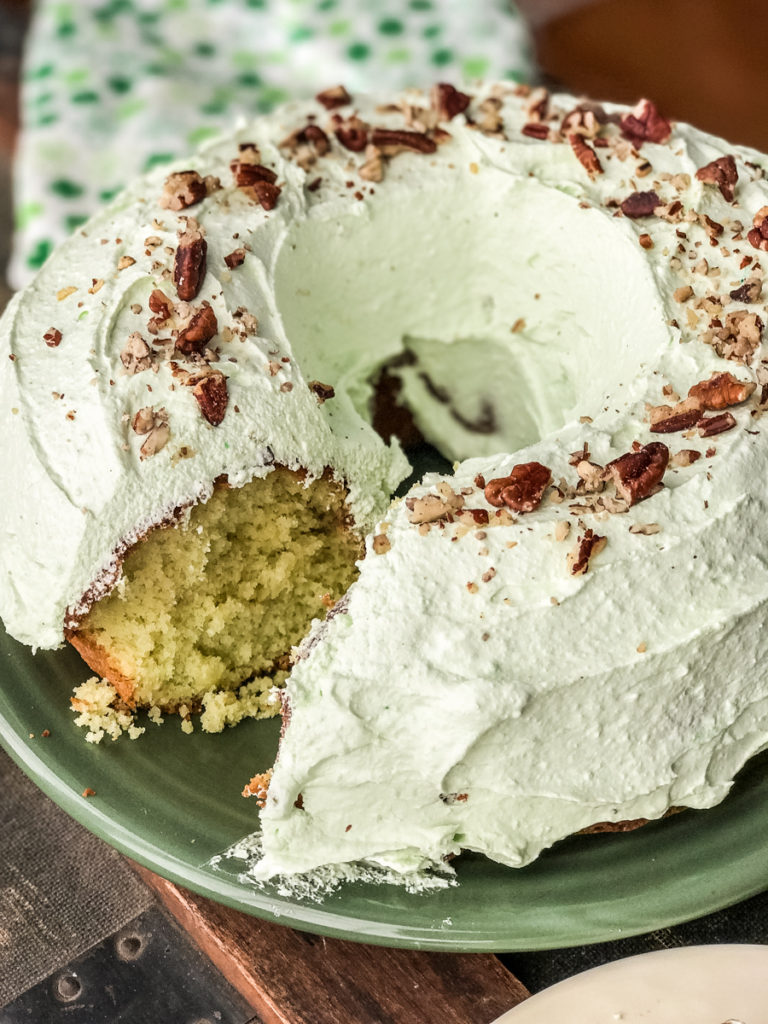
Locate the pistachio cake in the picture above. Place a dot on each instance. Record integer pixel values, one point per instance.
(566, 630)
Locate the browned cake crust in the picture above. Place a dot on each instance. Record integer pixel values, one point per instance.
(102, 663)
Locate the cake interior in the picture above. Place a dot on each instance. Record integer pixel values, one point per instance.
(208, 609)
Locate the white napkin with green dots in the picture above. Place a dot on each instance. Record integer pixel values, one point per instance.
(113, 87)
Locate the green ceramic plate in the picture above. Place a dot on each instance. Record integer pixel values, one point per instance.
(173, 801)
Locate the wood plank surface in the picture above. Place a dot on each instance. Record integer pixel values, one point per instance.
(292, 977)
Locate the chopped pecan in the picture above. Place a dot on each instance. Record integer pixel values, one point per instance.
(182, 189)
(685, 457)
(739, 338)
(640, 204)
(198, 332)
(750, 291)
(373, 167)
(235, 259)
(676, 421)
(432, 507)
(394, 140)
(335, 96)
(720, 391)
(190, 262)
(535, 130)
(586, 156)
(247, 174)
(351, 132)
(638, 474)
(381, 544)
(212, 397)
(758, 234)
(448, 101)
(490, 121)
(321, 391)
(708, 426)
(645, 124)
(537, 108)
(522, 490)
(266, 193)
(585, 119)
(52, 337)
(161, 305)
(154, 424)
(721, 172)
(587, 546)
(135, 357)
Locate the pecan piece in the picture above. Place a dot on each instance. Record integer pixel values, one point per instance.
(247, 174)
(750, 291)
(535, 130)
(708, 426)
(198, 332)
(394, 140)
(52, 337)
(266, 193)
(321, 391)
(586, 156)
(739, 338)
(161, 305)
(721, 172)
(189, 264)
(335, 96)
(135, 357)
(645, 124)
(182, 189)
(720, 391)
(640, 204)
(522, 490)
(586, 548)
(586, 119)
(448, 101)
(637, 475)
(676, 422)
(758, 235)
(154, 424)
(211, 395)
(235, 259)
(351, 132)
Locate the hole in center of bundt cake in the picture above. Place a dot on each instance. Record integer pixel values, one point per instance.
(496, 309)
(213, 605)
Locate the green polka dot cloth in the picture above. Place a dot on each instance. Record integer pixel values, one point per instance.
(114, 87)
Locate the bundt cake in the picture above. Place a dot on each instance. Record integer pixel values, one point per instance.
(566, 630)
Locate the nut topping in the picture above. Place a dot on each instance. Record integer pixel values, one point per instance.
(153, 423)
(721, 172)
(586, 548)
(235, 259)
(432, 507)
(393, 141)
(638, 474)
(321, 391)
(135, 357)
(640, 204)
(201, 328)
(535, 130)
(448, 101)
(336, 96)
(351, 132)
(739, 338)
(708, 426)
(246, 173)
(522, 490)
(720, 391)
(211, 395)
(645, 124)
(758, 235)
(750, 291)
(52, 337)
(182, 189)
(676, 421)
(586, 156)
(189, 264)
